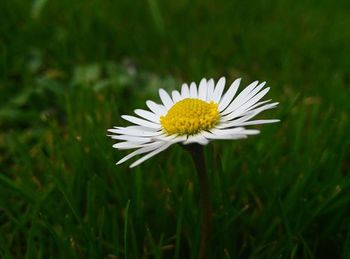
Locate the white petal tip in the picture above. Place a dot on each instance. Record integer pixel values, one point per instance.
(135, 164)
(252, 132)
(112, 130)
(237, 81)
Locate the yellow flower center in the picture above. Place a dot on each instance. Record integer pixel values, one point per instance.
(190, 116)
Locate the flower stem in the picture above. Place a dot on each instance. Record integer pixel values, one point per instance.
(197, 154)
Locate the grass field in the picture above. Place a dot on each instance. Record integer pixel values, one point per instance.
(69, 69)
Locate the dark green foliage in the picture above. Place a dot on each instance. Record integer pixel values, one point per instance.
(69, 69)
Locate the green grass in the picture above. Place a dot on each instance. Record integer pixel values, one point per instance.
(69, 69)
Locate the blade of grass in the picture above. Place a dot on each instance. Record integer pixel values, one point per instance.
(126, 229)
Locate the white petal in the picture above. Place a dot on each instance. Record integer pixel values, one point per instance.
(164, 96)
(241, 109)
(256, 122)
(250, 108)
(185, 92)
(165, 138)
(147, 115)
(230, 124)
(176, 96)
(127, 145)
(178, 139)
(202, 90)
(135, 132)
(250, 112)
(193, 90)
(229, 94)
(260, 109)
(149, 155)
(131, 145)
(170, 139)
(132, 138)
(141, 122)
(253, 100)
(258, 104)
(136, 127)
(140, 151)
(210, 135)
(250, 132)
(234, 131)
(219, 89)
(156, 108)
(226, 131)
(248, 92)
(199, 138)
(257, 89)
(210, 90)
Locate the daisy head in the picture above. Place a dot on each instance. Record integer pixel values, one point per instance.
(192, 115)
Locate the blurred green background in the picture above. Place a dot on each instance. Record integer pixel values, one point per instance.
(69, 69)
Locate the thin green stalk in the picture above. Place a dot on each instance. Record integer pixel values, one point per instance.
(197, 154)
(126, 229)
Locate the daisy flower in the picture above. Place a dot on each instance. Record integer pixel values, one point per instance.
(192, 115)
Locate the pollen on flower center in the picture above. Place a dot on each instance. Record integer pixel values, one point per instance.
(190, 116)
